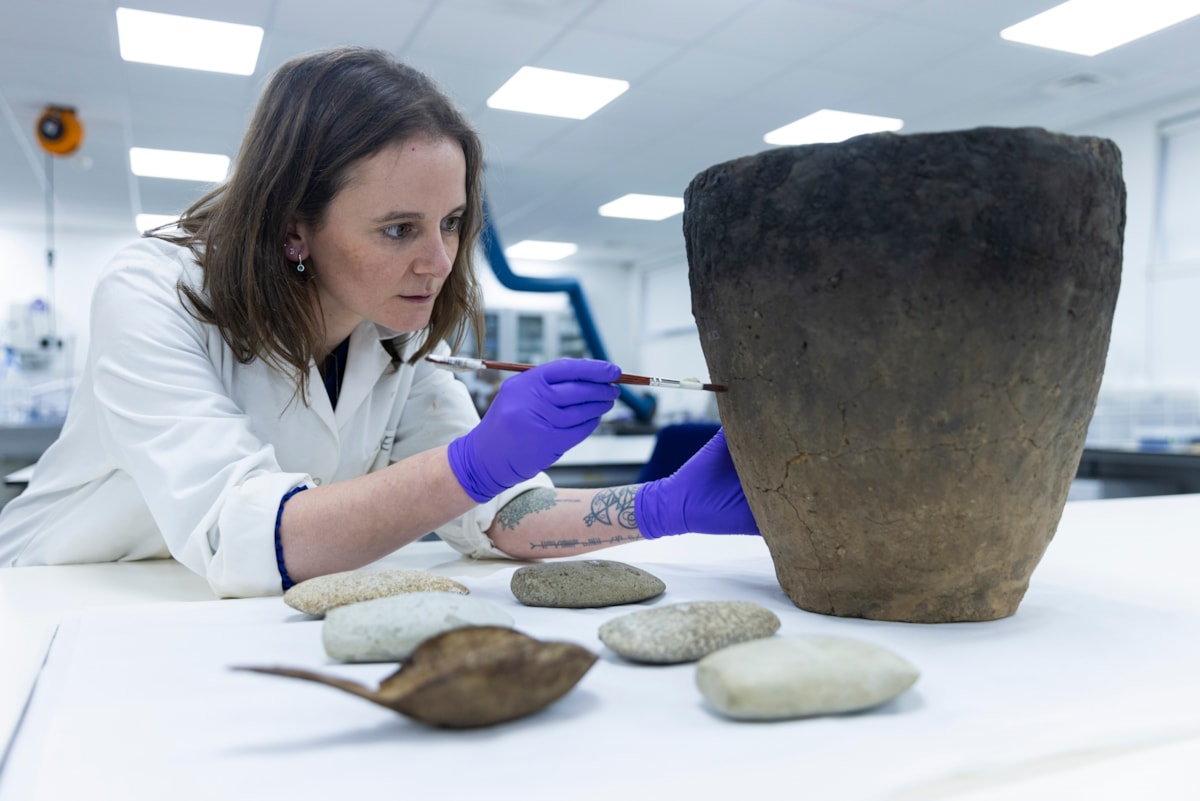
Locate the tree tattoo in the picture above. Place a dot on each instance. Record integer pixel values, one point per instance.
(527, 503)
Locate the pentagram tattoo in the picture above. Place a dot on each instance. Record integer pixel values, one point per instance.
(613, 507)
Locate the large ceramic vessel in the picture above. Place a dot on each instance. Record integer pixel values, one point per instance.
(913, 330)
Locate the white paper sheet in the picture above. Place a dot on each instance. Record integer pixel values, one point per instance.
(32, 600)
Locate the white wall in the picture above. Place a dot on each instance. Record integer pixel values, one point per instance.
(1157, 327)
(670, 343)
(79, 256)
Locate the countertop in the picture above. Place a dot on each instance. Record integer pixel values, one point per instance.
(1092, 689)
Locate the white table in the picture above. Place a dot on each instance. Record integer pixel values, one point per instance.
(1091, 690)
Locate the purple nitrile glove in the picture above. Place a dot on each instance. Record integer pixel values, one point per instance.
(703, 496)
(536, 417)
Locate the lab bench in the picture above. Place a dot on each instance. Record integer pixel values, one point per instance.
(28, 440)
(603, 461)
(609, 461)
(1135, 471)
(124, 675)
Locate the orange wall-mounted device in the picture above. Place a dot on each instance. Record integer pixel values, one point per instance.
(59, 131)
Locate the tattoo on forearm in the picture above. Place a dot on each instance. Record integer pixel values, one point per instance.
(613, 507)
(610, 507)
(590, 542)
(526, 504)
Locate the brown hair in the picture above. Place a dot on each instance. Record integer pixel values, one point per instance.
(320, 115)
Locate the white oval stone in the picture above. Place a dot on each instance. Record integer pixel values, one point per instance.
(318, 595)
(389, 629)
(789, 677)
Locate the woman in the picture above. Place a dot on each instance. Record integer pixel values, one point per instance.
(256, 402)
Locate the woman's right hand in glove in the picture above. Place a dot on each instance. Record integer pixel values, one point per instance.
(535, 418)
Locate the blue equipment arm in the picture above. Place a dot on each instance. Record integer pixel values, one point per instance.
(642, 406)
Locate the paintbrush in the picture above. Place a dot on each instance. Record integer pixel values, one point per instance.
(462, 363)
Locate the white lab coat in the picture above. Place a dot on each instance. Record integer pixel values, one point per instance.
(173, 447)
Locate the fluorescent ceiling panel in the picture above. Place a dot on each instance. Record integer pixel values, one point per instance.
(643, 207)
(828, 125)
(188, 42)
(1089, 27)
(542, 251)
(178, 164)
(144, 222)
(534, 90)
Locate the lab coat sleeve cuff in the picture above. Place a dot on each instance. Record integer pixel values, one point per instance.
(467, 534)
(240, 560)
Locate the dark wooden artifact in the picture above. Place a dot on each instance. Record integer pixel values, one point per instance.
(469, 677)
(913, 330)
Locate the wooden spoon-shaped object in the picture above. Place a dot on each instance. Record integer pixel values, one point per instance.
(470, 677)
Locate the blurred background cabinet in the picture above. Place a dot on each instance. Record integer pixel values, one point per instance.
(520, 335)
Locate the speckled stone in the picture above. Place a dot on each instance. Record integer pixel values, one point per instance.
(388, 629)
(790, 677)
(316, 596)
(584, 583)
(688, 631)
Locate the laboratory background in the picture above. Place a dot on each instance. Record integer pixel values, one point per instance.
(1089, 692)
(684, 85)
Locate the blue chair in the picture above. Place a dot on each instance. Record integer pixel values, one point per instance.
(674, 445)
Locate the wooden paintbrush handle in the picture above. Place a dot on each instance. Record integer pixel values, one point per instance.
(624, 378)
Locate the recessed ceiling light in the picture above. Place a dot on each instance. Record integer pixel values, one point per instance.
(828, 125)
(1089, 27)
(145, 222)
(643, 207)
(188, 42)
(534, 90)
(179, 164)
(542, 251)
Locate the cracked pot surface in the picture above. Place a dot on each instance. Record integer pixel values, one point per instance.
(913, 330)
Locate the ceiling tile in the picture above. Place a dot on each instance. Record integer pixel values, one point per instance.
(591, 53)
(666, 20)
(715, 74)
(453, 28)
(788, 28)
(243, 12)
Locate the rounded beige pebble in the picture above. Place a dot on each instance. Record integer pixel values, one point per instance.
(318, 595)
(791, 677)
(685, 632)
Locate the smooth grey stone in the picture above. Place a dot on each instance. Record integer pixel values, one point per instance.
(790, 677)
(318, 595)
(584, 583)
(685, 632)
(388, 629)
(913, 331)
